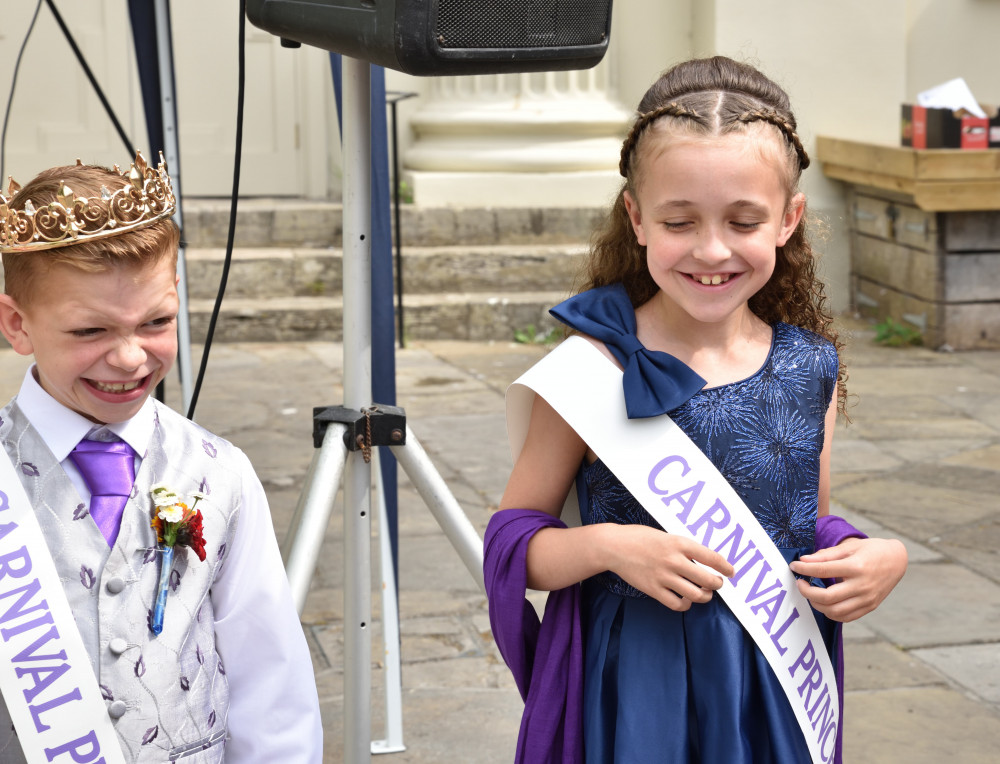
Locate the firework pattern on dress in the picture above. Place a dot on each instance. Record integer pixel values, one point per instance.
(764, 434)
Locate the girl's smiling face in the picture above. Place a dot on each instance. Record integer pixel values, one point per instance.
(711, 212)
(101, 341)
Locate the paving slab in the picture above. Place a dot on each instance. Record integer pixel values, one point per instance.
(974, 667)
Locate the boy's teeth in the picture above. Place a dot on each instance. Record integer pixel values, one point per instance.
(714, 280)
(119, 387)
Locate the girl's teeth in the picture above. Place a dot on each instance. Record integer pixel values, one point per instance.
(713, 280)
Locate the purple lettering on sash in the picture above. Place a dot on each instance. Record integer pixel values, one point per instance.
(710, 522)
(771, 607)
(6, 528)
(805, 659)
(6, 560)
(43, 677)
(825, 720)
(28, 653)
(757, 557)
(784, 627)
(4, 501)
(755, 590)
(83, 750)
(660, 466)
(21, 628)
(685, 497)
(813, 680)
(733, 540)
(37, 711)
(17, 610)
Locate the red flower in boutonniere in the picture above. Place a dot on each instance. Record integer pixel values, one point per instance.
(176, 525)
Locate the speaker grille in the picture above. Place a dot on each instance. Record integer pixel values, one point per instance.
(520, 23)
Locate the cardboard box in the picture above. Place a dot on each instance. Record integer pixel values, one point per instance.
(924, 128)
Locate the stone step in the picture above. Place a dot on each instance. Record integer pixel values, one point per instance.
(313, 272)
(456, 316)
(308, 223)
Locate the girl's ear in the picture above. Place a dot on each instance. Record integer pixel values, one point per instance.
(12, 326)
(793, 216)
(635, 216)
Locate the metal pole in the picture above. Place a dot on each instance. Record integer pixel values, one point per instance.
(172, 155)
(391, 658)
(446, 510)
(357, 395)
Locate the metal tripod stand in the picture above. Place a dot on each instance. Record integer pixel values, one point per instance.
(363, 426)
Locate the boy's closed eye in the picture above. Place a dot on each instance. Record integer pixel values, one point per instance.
(89, 332)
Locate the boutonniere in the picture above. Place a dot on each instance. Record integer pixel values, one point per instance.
(177, 525)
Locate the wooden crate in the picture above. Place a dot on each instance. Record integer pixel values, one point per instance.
(915, 256)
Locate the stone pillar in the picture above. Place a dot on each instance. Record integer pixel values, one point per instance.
(538, 140)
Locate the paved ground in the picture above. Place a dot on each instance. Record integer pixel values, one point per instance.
(921, 461)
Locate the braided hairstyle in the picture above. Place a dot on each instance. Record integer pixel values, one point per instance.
(712, 97)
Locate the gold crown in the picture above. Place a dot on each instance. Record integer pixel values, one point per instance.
(146, 198)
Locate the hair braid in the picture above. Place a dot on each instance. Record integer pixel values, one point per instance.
(774, 118)
(672, 109)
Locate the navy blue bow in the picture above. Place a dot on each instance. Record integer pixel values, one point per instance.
(654, 382)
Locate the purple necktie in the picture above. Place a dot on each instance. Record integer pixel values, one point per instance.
(108, 469)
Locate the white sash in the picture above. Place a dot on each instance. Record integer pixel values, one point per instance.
(46, 676)
(683, 491)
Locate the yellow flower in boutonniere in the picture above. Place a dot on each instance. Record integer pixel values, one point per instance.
(176, 525)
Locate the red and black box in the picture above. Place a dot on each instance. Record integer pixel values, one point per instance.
(930, 128)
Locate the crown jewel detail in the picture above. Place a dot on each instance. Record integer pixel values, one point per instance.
(146, 198)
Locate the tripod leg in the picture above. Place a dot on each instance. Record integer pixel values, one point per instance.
(309, 529)
(446, 510)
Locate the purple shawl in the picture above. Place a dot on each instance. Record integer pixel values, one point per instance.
(545, 658)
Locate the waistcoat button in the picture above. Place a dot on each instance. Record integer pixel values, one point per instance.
(115, 585)
(117, 709)
(118, 645)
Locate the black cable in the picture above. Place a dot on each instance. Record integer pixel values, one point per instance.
(13, 84)
(90, 76)
(232, 211)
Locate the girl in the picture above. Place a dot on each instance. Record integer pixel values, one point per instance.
(701, 287)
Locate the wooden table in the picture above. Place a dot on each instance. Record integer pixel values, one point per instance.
(925, 237)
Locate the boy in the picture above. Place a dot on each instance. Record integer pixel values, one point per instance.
(89, 258)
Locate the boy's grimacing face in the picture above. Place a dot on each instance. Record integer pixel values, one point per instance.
(102, 341)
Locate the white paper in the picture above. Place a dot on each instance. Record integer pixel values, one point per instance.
(954, 94)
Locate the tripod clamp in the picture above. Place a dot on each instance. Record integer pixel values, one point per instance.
(375, 425)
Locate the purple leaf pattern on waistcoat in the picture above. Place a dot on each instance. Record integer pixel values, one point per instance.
(199, 655)
(150, 735)
(222, 551)
(204, 487)
(140, 666)
(80, 512)
(106, 692)
(222, 668)
(86, 577)
(185, 684)
(149, 618)
(29, 469)
(150, 555)
(209, 448)
(211, 718)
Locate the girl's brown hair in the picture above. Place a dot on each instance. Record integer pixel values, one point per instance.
(710, 97)
(144, 246)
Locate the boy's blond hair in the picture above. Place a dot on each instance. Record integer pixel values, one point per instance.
(144, 246)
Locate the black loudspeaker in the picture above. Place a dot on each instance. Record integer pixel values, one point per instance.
(429, 37)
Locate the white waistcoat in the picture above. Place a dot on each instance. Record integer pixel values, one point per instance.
(167, 694)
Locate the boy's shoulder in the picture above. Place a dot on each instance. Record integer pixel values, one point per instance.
(215, 446)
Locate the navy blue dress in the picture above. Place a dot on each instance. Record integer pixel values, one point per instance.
(662, 686)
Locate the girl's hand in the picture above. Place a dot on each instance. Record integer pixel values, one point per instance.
(866, 571)
(663, 565)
